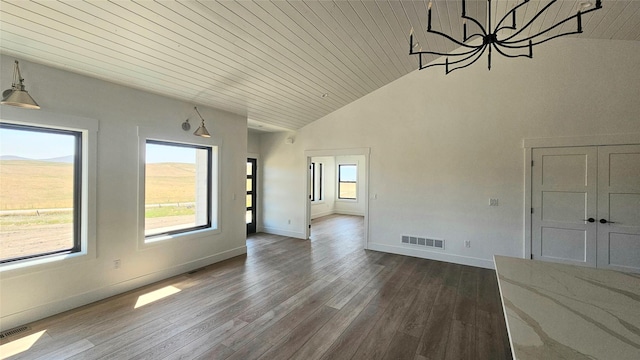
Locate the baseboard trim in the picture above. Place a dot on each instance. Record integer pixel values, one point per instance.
(46, 310)
(282, 232)
(335, 212)
(321, 214)
(347, 212)
(433, 255)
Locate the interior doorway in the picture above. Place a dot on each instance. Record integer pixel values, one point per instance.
(324, 181)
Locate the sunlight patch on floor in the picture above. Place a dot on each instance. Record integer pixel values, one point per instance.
(156, 295)
(19, 345)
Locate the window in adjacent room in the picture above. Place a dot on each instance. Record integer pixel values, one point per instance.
(177, 188)
(40, 192)
(347, 181)
(317, 182)
(252, 192)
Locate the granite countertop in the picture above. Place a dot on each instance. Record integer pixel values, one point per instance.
(558, 311)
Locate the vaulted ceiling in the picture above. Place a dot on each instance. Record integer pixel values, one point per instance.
(283, 64)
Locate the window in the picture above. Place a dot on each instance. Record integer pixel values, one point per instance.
(40, 192)
(250, 217)
(317, 182)
(347, 181)
(177, 188)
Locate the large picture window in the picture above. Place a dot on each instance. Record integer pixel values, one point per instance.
(178, 188)
(40, 191)
(347, 181)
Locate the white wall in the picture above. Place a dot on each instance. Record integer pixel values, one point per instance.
(441, 146)
(253, 142)
(327, 205)
(26, 295)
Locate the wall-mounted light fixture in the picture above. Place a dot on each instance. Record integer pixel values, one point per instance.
(202, 130)
(17, 95)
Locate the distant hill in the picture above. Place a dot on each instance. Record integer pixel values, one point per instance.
(11, 157)
(22, 183)
(63, 159)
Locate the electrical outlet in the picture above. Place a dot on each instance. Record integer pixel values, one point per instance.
(493, 202)
(116, 264)
(467, 243)
(289, 221)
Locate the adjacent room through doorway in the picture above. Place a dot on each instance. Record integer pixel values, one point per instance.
(337, 185)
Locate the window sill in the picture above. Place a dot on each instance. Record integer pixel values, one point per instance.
(185, 236)
(27, 265)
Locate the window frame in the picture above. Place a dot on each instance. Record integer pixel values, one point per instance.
(207, 225)
(87, 215)
(317, 178)
(347, 182)
(77, 187)
(253, 225)
(147, 133)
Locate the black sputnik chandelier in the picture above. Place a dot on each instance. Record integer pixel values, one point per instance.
(512, 46)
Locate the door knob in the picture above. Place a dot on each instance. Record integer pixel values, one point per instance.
(604, 221)
(590, 220)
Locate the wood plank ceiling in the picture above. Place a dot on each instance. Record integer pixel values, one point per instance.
(269, 60)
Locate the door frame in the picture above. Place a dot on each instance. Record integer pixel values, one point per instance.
(569, 141)
(337, 152)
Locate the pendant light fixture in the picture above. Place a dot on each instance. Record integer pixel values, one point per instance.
(202, 130)
(518, 44)
(17, 95)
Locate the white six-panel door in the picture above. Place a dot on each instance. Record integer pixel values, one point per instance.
(586, 206)
(564, 196)
(619, 207)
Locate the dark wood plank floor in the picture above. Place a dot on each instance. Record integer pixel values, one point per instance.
(292, 299)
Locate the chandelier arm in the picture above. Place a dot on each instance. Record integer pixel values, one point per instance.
(479, 50)
(577, 15)
(579, 31)
(503, 28)
(450, 38)
(479, 55)
(506, 41)
(496, 46)
(475, 52)
(530, 21)
(513, 11)
(474, 35)
(427, 52)
(484, 31)
(513, 44)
